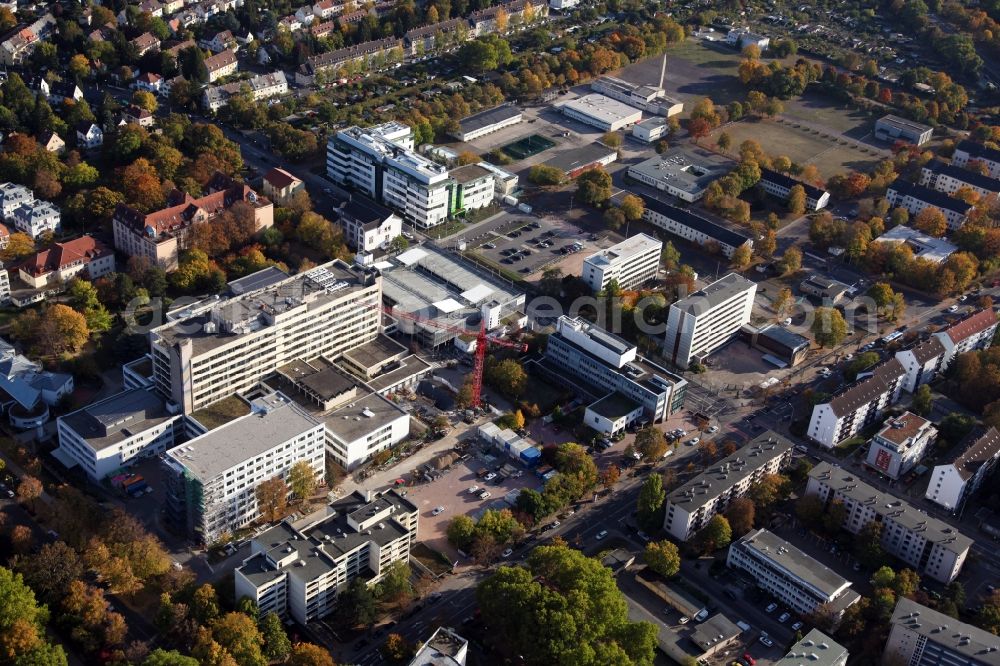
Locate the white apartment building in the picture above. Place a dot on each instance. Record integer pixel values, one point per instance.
(367, 225)
(651, 129)
(605, 363)
(651, 99)
(631, 263)
(893, 128)
(780, 186)
(12, 196)
(209, 351)
(900, 444)
(359, 430)
(921, 636)
(221, 65)
(949, 178)
(36, 218)
(262, 86)
(297, 572)
(857, 405)
(379, 161)
(692, 505)
(915, 198)
(969, 151)
(682, 172)
(473, 187)
(707, 319)
(922, 362)
(974, 331)
(954, 482)
(486, 122)
(104, 436)
(211, 489)
(815, 649)
(693, 228)
(927, 545)
(792, 577)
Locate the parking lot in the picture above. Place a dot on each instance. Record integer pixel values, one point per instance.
(529, 245)
(451, 491)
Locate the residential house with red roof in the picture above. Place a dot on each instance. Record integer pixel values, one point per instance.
(85, 256)
(221, 64)
(974, 331)
(279, 186)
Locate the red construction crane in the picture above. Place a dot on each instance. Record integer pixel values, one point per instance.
(482, 343)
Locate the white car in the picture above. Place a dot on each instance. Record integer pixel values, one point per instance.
(849, 357)
(953, 308)
(824, 372)
(683, 620)
(713, 429)
(601, 534)
(796, 626)
(771, 608)
(507, 553)
(784, 617)
(490, 476)
(693, 441)
(787, 322)
(766, 641)
(485, 495)
(438, 510)
(473, 489)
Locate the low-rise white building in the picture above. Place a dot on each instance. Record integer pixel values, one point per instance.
(213, 477)
(221, 65)
(486, 122)
(474, 187)
(952, 483)
(629, 264)
(915, 198)
(815, 649)
(367, 225)
(792, 577)
(692, 505)
(693, 228)
(900, 444)
(893, 128)
(922, 245)
(651, 99)
(857, 405)
(681, 172)
(89, 135)
(108, 434)
(780, 186)
(707, 319)
(651, 129)
(12, 196)
(741, 38)
(929, 546)
(600, 111)
(62, 262)
(297, 571)
(36, 218)
(969, 151)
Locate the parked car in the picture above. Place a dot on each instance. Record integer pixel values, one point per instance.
(796, 626)
(485, 495)
(438, 510)
(713, 429)
(507, 553)
(784, 617)
(953, 308)
(749, 659)
(771, 608)
(601, 535)
(764, 640)
(473, 489)
(490, 476)
(683, 620)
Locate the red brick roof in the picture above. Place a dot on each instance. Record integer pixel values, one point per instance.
(975, 323)
(60, 255)
(220, 60)
(280, 179)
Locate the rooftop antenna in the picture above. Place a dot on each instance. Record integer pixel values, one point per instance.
(663, 71)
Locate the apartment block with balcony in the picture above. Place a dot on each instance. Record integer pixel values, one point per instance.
(213, 478)
(692, 505)
(630, 264)
(952, 483)
(605, 363)
(900, 445)
(707, 319)
(921, 636)
(297, 571)
(367, 225)
(916, 198)
(949, 178)
(922, 362)
(215, 348)
(789, 575)
(974, 331)
(927, 545)
(856, 405)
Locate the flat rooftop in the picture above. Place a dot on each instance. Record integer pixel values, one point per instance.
(890, 507)
(601, 107)
(443, 648)
(815, 649)
(978, 645)
(923, 245)
(686, 169)
(397, 371)
(361, 417)
(904, 124)
(582, 157)
(682, 216)
(232, 318)
(730, 471)
(714, 630)
(117, 418)
(262, 279)
(900, 430)
(781, 554)
(275, 420)
(614, 406)
(630, 247)
(497, 114)
(374, 353)
(714, 294)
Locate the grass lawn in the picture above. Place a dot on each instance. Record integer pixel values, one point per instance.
(222, 412)
(430, 558)
(444, 230)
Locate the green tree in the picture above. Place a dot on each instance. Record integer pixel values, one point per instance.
(356, 604)
(395, 586)
(545, 176)
(161, 657)
(716, 534)
(272, 498)
(612, 140)
(724, 141)
(907, 583)
(307, 654)
(500, 525)
(988, 617)
(791, 261)
(651, 443)
(593, 187)
(742, 256)
(276, 643)
(507, 376)
(563, 607)
(239, 635)
(205, 604)
(461, 531)
(884, 577)
(22, 624)
(650, 504)
(572, 460)
(829, 328)
(396, 649)
(398, 244)
(769, 489)
(632, 207)
(797, 200)
(923, 401)
(860, 363)
(868, 544)
(670, 256)
(302, 479)
(663, 558)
